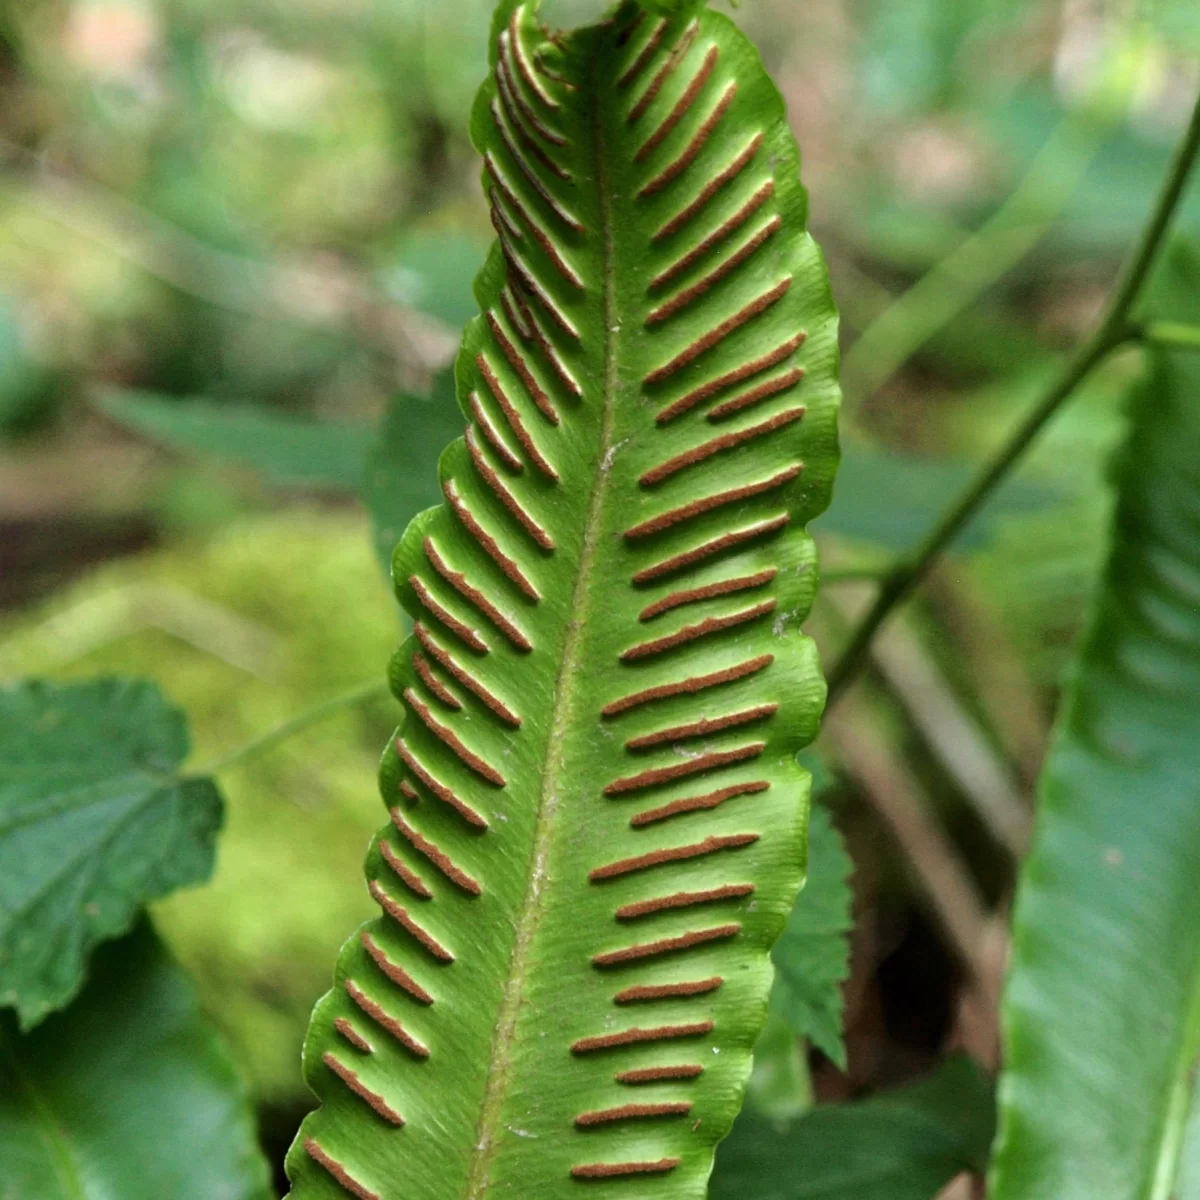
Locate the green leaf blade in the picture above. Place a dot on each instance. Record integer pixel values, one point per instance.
(598, 823)
(288, 451)
(94, 822)
(128, 1093)
(1102, 1010)
(906, 1144)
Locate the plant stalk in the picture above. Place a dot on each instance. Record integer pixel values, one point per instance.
(1115, 329)
(294, 725)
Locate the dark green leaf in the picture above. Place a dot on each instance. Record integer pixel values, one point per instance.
(1102, 1009)
(812, 959)
(287, 451)
(900, 1145)
(94, 821)
(128, 1095)
(401, 476)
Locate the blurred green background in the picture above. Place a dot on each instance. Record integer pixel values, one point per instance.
(234, 234)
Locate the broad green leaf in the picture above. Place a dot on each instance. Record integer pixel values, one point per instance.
(1102, 1008)
(901, 1145)
(400, 478)
(128, 1095)
(94, 821)
(288, 451)
(812, 958)
(598, 821)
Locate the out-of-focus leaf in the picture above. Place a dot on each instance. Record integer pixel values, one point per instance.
(812, 959)
(287, 451)
(128, 1095)
(434, 271)
(401, 476)
(1102, 1010)
(780, 1085)
(94, 821)
(893, 499)
(822, 777)
(900, 1145)
(29, 390)
(911, 55)
(1126, 171)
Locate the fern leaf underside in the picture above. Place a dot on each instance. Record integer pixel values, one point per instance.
(597, 815)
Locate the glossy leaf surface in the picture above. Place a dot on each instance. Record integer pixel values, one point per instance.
(1102, 1010)
(94, 822)
(598, 817)
(128, 1094)
(901, 1145)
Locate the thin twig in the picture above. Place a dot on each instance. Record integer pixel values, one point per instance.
(1114, 329)
(982, 258)
(910, 674)
(294, 725)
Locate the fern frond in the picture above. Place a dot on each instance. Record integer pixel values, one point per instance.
(597, 815)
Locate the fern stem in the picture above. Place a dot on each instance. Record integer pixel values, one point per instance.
(294, 725)
(1115, 329)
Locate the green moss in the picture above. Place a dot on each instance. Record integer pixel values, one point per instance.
(298, 600)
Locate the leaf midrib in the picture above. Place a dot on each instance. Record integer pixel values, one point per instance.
(561, 706)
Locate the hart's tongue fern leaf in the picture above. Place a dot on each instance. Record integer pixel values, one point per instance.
(597, 816)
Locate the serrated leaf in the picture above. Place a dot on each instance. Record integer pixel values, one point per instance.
(812, 958)
(287, 451)
(1102, 1007)
(127, 1094)
(598, 821)
(398, 481)
(94, 822)
(905, 1144)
